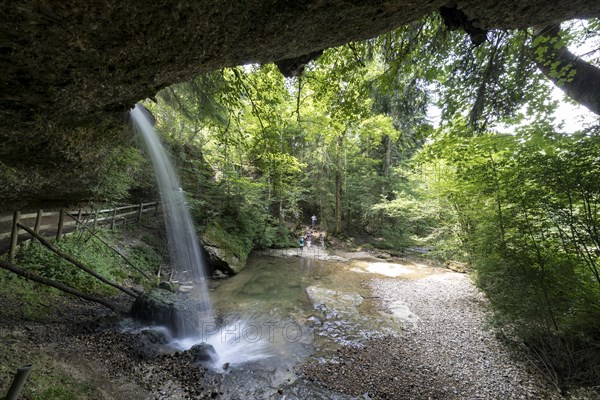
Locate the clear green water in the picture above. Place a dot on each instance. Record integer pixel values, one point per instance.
(269, 325)
(273, 290)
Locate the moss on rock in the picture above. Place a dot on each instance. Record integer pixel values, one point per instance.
(226, 251)
(159, 306)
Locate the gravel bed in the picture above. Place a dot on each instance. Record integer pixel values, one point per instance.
(448, 354)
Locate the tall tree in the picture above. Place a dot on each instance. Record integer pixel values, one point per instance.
(578, 78)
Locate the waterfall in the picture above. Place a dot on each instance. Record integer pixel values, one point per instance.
(237, 341)
(184, 249)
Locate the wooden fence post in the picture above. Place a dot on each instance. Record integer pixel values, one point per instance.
(61, 220)
(140, 210)
(114, 217)
(14, 235)
(38, 221)
(78, 219)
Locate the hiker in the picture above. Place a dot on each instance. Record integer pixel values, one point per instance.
(313, 221)
(301, 242)
(308, 239)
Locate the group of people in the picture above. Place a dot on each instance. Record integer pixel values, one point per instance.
(307, 239)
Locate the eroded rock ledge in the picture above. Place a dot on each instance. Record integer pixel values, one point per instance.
(72, 69)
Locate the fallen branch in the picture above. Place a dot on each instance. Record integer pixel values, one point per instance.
(73, 261)
(36, 278)
(107, 245)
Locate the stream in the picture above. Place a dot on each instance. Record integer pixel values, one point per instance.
(280, 311)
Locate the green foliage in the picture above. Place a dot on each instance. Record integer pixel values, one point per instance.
(88, 250)
(48, 379)
(146, 258)
(122, 171)
(29, 300)
(524, 207)
(232, 243)
(276, 235)
(40, 260)
(57, 392)
(329, 141)
(259, 153)
(408, 219)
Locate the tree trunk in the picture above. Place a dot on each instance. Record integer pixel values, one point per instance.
(386, 173)
(338, 185)
(36, 278)
(73, 261)
(583, 86)
(498, 201)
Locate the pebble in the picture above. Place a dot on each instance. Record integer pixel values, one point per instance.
(448, 354)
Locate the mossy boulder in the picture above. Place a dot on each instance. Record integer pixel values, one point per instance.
(203, 352)
(225, 251)
(222, 259)
(159, 306)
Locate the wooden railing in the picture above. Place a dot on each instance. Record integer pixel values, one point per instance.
(59, 223)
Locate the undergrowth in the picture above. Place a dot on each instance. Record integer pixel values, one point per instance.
(95, 252)
(47, 381)
(28, 302)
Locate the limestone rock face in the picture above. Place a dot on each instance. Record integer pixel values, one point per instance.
(225, 251)
(70, 59)
(72, 69)
(220, 259)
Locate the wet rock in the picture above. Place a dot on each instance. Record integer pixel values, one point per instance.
(203, 352)
(105, 322)
(223, 250)
(456, 266)
(333, 258)
(158, 306)
(220, 259)
(323, 298)
(401, 313)
(148, 343)
(154, 336)
(171, 287)
(218, 274)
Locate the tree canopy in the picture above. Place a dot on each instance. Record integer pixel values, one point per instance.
(493, 182)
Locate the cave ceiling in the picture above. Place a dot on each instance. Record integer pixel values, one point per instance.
(70, 70)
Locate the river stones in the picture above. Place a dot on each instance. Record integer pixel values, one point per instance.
(401, 313)
(148, 343)
(323, 298)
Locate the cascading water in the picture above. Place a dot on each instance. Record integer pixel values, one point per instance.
(232, 342)
(184, 249)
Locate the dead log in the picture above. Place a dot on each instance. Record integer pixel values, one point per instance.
(40, 279)
(73, 261)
